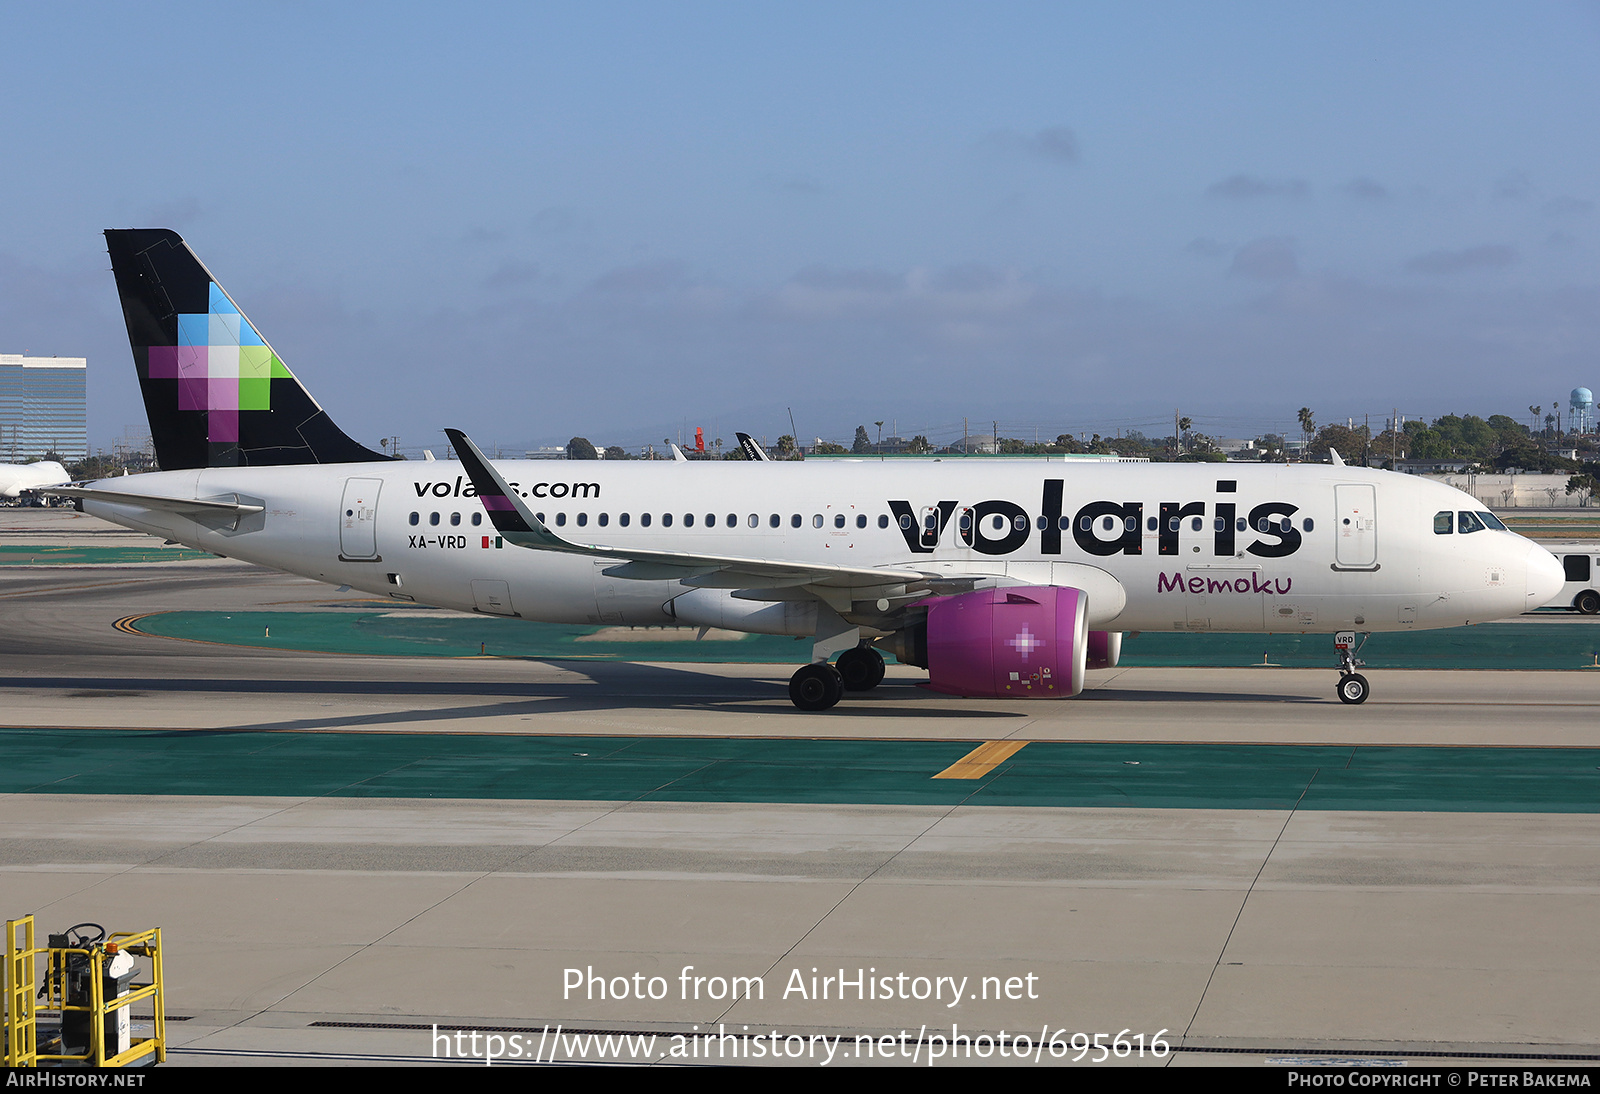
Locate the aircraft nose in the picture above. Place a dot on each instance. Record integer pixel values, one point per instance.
(1545, 577)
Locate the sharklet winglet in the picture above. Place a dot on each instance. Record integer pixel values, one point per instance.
(507, 512)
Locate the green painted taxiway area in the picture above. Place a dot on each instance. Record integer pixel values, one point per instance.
(1563, 641)
(45, 555)
(1150, 775)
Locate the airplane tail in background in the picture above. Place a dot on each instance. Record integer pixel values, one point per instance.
(215, 393)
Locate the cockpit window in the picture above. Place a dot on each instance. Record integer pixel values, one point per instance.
(1443, 523)
(1493, 522)
(1469, 522)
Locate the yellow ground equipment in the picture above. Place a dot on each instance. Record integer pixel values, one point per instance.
(84, 1005)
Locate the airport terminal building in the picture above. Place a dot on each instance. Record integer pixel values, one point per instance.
(42, 408)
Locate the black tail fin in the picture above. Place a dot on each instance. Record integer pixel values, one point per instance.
(215, 393)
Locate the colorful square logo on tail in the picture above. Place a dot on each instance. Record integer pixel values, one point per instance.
(222, 367)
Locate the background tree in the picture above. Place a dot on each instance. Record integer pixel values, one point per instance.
(1586, 483)
(1351, 444)
(1308, 423)
(617, 452)
(579, 448)
(863, 442)
(785, 448)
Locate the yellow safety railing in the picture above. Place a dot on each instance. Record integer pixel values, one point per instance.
(22, 1047)
(23, 1008)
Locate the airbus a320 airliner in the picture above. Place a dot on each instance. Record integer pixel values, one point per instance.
(1001, 578)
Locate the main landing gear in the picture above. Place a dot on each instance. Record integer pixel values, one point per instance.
(861, 668)
(1353, 687)
(819, 686)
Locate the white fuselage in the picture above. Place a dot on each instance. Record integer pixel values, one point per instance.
(1359, 552)
(17, 477)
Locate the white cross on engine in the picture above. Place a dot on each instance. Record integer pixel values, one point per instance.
(1025, 642)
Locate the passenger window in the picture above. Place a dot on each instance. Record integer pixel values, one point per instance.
(883, 520)
(433, 518)
(415, 518)
(583, 520)
(1084, 523)
(754, 521)
(1109, 523)
(1219, 525)
(455, 519)
(666, 520)
(775, 520)
(1172, 525)
(1443, 522)
(733, 520)
(644, 520)
(540, 516)
(838, 520)
(1066, 523)
(1241, 525)
(861, 520)
(711, 520)
(1265, 525)
(1468, 522)
(477, 519)
(816, 520)
(1019, 522)
(604, 520)
(966, 520)
(688, 520)
(561, 520)
(1131, 524)
(1197, 524)
(794, 520)
(905, 521)
(623, 520)
(1152, 524)
(1308, 524)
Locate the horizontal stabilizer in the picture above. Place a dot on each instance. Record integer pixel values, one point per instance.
(190, 506)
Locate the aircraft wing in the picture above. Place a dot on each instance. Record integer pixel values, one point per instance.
(518, 525)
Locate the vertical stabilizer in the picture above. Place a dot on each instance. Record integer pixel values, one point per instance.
(215, 393)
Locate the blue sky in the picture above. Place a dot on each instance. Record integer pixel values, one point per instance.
(623, 220)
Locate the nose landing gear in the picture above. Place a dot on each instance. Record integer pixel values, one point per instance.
(1353, 687)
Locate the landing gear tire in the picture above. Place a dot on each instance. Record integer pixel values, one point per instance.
(1588, 602)
(816, 687)
(861, 668)
(1353, 688)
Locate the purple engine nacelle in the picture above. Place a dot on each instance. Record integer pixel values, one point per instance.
(1017, 642)
(1105, 649)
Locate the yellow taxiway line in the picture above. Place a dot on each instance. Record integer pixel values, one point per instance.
(982, 760)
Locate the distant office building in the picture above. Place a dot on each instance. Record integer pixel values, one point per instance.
(42, 408)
